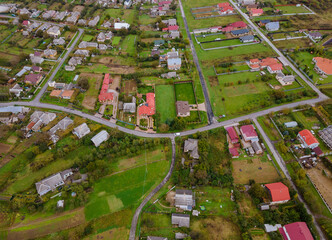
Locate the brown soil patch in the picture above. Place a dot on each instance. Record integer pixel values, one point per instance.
(78, 8)
(90, 98)
(149, 40)
(116, 82)
(130, 86)
(323, 183)
(203, 10)
(213, 81)
(261, 172)
(115, 233)
(170, 197)
(4, 148)
(145, 28)
(89, 102)
(121, 69)
(45, 226)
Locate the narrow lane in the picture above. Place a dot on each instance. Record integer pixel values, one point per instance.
(200, 73)
(285, 171)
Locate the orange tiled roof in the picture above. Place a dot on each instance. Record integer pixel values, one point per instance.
(308, 137)
(324, 64)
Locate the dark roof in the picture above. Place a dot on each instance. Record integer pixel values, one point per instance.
(182, 107)
(184, 191)
(248, 37)
(315, 34)
(240, 31)
(318, 151)
(265, 21)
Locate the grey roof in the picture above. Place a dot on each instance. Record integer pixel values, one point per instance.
(83, 52)
(315, 34)
(247, 38)
(183, 220)
(129, 107)
(100, 137)
(49, 52)
(175, 34)
(191, 146)
(81, 130)
(174, 62)
(256, 146)
(240, 31)
(184, 198)
(290, 124)
(326, 136)
(289, 78)
(61, 125)
(94, 21)
(265, 21)
(159, 42)
(12, 109)
(59, 41)
(45, 118)
(182, 108)
(179, 235)
(272, 26)
(172, 21)
(75, 61)
(52, 182)
(156, 238)
(272, 228)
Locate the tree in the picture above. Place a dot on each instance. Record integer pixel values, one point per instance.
(257, 191)
(83, 83)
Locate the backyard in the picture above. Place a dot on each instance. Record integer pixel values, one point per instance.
(165, 102)
(185, 92)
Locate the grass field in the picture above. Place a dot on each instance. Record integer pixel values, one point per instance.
(185, 92)
(116, 41)
(292, 9)
(156, 224)
(124, 14)
(125, 189)
(165, 102)
(88, 37)
(254, 168)
(146, 19)
(128, 44)
(91, 94)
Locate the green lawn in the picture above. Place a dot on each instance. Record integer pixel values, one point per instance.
(116, 41)
(124, 14)
(128, 44)
(185, 92)
(125, 189)
(88, 37)
(165, 102)
(211, 37)
(146, 19)
(95, 68)
(292, 9)
(304, 60)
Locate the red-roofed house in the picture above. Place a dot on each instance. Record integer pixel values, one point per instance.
(238, 25)
(223, 4)
(256, 12)
(173, 28)
(33, 78)
(105, 95)
(254, 61)
(275, 68)
(249, 133)
(148, 108)
(227, 29)
(323, 65)
(232, 135)
(318, 151)
(26, 22)
(307, 139)
(278, 192)
(234, 152)
(296, 231)
(164, 3)
(227, 10)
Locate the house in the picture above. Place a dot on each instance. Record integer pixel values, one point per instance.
(279, 192)
(61, 125)
(100, 138)
(323, 66)
(80, 52)
(174, 34)
(130, 107)
(17, 89)
(296, 231)
(251, 6)
(51, 183)
(101, 37)
(158, 43)
(85, 44)
(264, 22)
(174, 63)
(307, 139)
(82, 22)
(271, 228)
(106, 95)
(73, 17)
(94, 21)
(36, 69)
(275, 68)
(75, 61)
(285, 80)
(102, 47)
(257, 147)
(225, 8)
(56, 93)
(249, 133)
(184, 199)
(23, 71)
(109, 35)
(50, 53)
(54, 31)
(127, 3)
(148, 108)
(238, 25)
(248, 38)
(247, 2)
(272, 26)
(318, 151)
(255, 12)
(191, 147)
(239, 32)
(67, 94)
(234, 152)
(182, 109)
(315, 35)
(48, 14)
(173, 28)
(33, 78)
(106, 24)
(326, 136)
(169, 75)
(290, 124)
(118, 26)
(36, 59)
(59, 41)
(81, 130)
(232, 135)
(182, 220)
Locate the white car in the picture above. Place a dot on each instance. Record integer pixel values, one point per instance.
(177, 134)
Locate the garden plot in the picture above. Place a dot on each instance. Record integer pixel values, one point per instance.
(165, 102)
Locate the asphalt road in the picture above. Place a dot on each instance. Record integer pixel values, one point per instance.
(284, 59)
(151, 194)
(285, 171)
(200, 73)
(69, 50)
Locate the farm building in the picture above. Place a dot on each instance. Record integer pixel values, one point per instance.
(182, 220)
(232, 135)
(279, 192)
(249, 133)
(118, 26)
(290, 124)
(156, 238)
(61, 125)
(326, 136)
(307, 139)
(81, 130)
(100, 138)
(295, 231)
(184, 199)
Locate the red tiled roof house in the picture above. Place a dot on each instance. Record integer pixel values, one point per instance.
(296, 231)
(232, 135)
(323, 65)
(307, 139)
(256, 12)
(105, 95)
(148, 108)
(249, 133)
(33, 78)
(279, 192)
